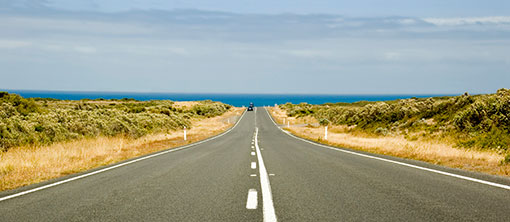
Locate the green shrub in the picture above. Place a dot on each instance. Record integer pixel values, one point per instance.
(506, 160)
(26, 121)
(478, 121)
(23, 106)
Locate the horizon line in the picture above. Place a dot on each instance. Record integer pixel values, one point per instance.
(229, 93)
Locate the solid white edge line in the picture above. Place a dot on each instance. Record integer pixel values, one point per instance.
(251, 201)
(267, 196)
(395, 162)
(118, 165)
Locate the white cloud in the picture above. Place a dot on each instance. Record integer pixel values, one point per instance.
(85, 49)
(407, 21)
(52, 47)
(392, 56)
(179, 51)
(11, 44)
(158, 44)
(308, 53)
(468, 20)
(67, 25)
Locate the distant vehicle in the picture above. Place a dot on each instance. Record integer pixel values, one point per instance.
(251, 104)
(250, 107)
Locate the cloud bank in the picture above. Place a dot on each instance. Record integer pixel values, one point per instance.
(206, 51)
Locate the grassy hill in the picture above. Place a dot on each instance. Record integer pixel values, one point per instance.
(46, 121)
(476, 122)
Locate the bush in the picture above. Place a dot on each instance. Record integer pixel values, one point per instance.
(29, 122)
(23, 106)
(478, 121)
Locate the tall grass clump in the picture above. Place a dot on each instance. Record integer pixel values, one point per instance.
(45, 121)
(480, 121)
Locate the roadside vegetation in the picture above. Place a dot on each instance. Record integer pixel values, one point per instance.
(472, 127)
(41, 139)
(45, 121)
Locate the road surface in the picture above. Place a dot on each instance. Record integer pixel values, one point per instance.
(256, 172)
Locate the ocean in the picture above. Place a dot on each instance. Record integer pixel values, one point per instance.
(232, 99)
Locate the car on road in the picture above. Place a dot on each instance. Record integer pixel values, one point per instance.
(250, 107)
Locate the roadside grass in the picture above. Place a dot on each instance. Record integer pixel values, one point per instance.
(185, 105)
(279, 115)
(441, 151)
(24, 165)
(471, 121)
(41, 122)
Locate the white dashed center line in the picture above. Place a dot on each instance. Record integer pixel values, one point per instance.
(267, 196)
(251, 202)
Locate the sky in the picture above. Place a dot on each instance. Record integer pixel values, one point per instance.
(225, 46)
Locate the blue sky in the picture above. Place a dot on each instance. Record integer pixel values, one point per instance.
(343, 7)
(333, 47)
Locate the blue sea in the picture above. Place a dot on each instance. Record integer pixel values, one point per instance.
(232, 99)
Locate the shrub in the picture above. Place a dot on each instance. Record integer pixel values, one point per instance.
(26, 122)
(478, 121)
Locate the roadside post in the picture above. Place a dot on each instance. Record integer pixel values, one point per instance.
(184, 133)
(325, 123)
(326, 133)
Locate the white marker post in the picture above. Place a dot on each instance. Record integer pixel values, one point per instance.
(326, 133)
(283, 121)
(288, 124)
(184, 133)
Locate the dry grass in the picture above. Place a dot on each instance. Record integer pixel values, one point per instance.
(280, 115)
(436, 152)
(22, 166)
(185, 105)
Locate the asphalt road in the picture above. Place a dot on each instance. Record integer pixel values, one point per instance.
(257, 172)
